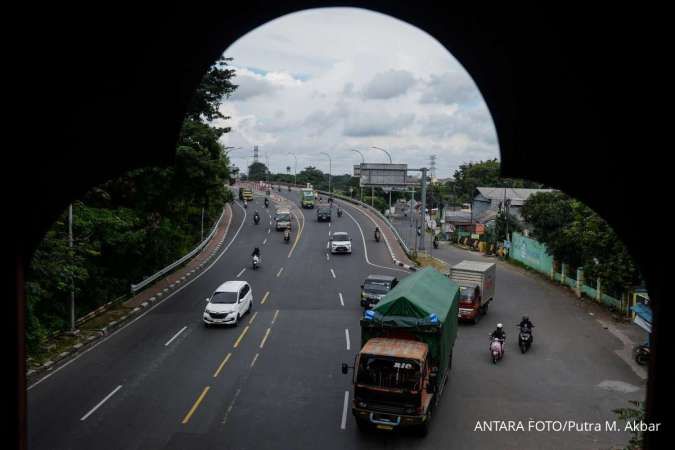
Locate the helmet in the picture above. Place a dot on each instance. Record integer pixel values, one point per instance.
(499, 325)
(525, 318)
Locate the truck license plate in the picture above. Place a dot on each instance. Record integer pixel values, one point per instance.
(385, 427)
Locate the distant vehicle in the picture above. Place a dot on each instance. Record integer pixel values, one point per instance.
(282, 219)
(228, 303)
(375, 287)
(307, 197)
(340, 242)
(248, 194)
(477, 283)
(406, 353)
(323, 213)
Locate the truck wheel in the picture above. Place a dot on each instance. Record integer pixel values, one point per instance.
(423, 430)
(484, 309)
(363, 425)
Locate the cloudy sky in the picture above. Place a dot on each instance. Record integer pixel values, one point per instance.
(329, 80)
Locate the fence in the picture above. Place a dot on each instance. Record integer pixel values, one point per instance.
(534, 254)
(136, 287)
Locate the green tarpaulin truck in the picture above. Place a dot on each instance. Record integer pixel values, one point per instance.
(406, 353)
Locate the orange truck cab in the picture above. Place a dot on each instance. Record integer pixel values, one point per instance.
(477, 287)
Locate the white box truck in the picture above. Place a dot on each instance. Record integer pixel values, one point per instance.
(477, 287)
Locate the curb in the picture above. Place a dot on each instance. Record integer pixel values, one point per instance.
(386, 241)
(121, 321)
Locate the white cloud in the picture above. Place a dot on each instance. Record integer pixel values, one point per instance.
(340, 78)
(389, 84)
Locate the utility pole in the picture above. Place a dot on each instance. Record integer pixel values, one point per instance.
(330, 169)
(202, 224)
(72, 277)
(424, 204)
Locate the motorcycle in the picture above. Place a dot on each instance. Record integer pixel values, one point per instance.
(496, 349)
(339, 212)
(377, 236)
(289, 189)
(256, 219)
(287, 235)
(256, 261)
(524, 338)
(267, 203)
(245, 204)
(435, 243)
(641, 353)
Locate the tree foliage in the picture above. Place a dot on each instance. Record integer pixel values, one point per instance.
(135, 224)
(469, 176)
(576, 235)
(257, 171)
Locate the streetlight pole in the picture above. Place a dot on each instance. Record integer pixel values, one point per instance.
(330, 169)
(295, 170)
(363, 161)
(389, 155)
(72, 278)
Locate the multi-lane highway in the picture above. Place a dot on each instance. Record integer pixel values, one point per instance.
(167, 382)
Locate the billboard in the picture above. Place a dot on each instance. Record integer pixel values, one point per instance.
(382, 175)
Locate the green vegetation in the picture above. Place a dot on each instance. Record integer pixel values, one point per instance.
(132, 226)
(577, 236)
(635, 414)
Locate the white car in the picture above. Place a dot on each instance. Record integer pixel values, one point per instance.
(340, 242)
(228, 303)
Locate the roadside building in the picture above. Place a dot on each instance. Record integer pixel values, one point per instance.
(488, 200)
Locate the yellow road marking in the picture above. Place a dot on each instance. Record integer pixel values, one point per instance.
(275, 316)
(255, 358)
(241, 336)
(267, 333)
(264, 297)
(297, 236)
(253, 318)
(220, 367)
(194, 407)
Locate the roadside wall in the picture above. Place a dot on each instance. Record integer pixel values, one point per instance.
(534, 255)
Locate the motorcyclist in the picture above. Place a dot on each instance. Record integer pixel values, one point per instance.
(245, 204)
(339, 212)
(256, 252)
(377, 234)
(525, 322)
(499, 333)
(256, 217)
(287, 234)
(267, 202)
(436, 241)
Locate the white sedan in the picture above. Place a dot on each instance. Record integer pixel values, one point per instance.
(228, 303)
(340, 242)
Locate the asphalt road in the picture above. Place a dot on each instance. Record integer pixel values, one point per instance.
(274, 382)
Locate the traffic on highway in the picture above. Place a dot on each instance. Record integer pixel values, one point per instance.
(252, 352)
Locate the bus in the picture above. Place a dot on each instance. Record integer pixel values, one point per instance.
(307, 197)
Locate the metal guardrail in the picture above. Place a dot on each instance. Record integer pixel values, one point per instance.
(379, 214)
(136, 287)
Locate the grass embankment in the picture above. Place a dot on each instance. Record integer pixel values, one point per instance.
(424, 260)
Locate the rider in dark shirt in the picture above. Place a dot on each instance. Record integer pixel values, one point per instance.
(499, 332)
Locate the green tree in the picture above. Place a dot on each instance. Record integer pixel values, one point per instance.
(576, 235)
(257, 171)
(133, 225)
(469, 176)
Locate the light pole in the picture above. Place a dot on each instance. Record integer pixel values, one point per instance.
(389, 155)
(295, 170)
(330, 169)
(72, 278)
(363, 161)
